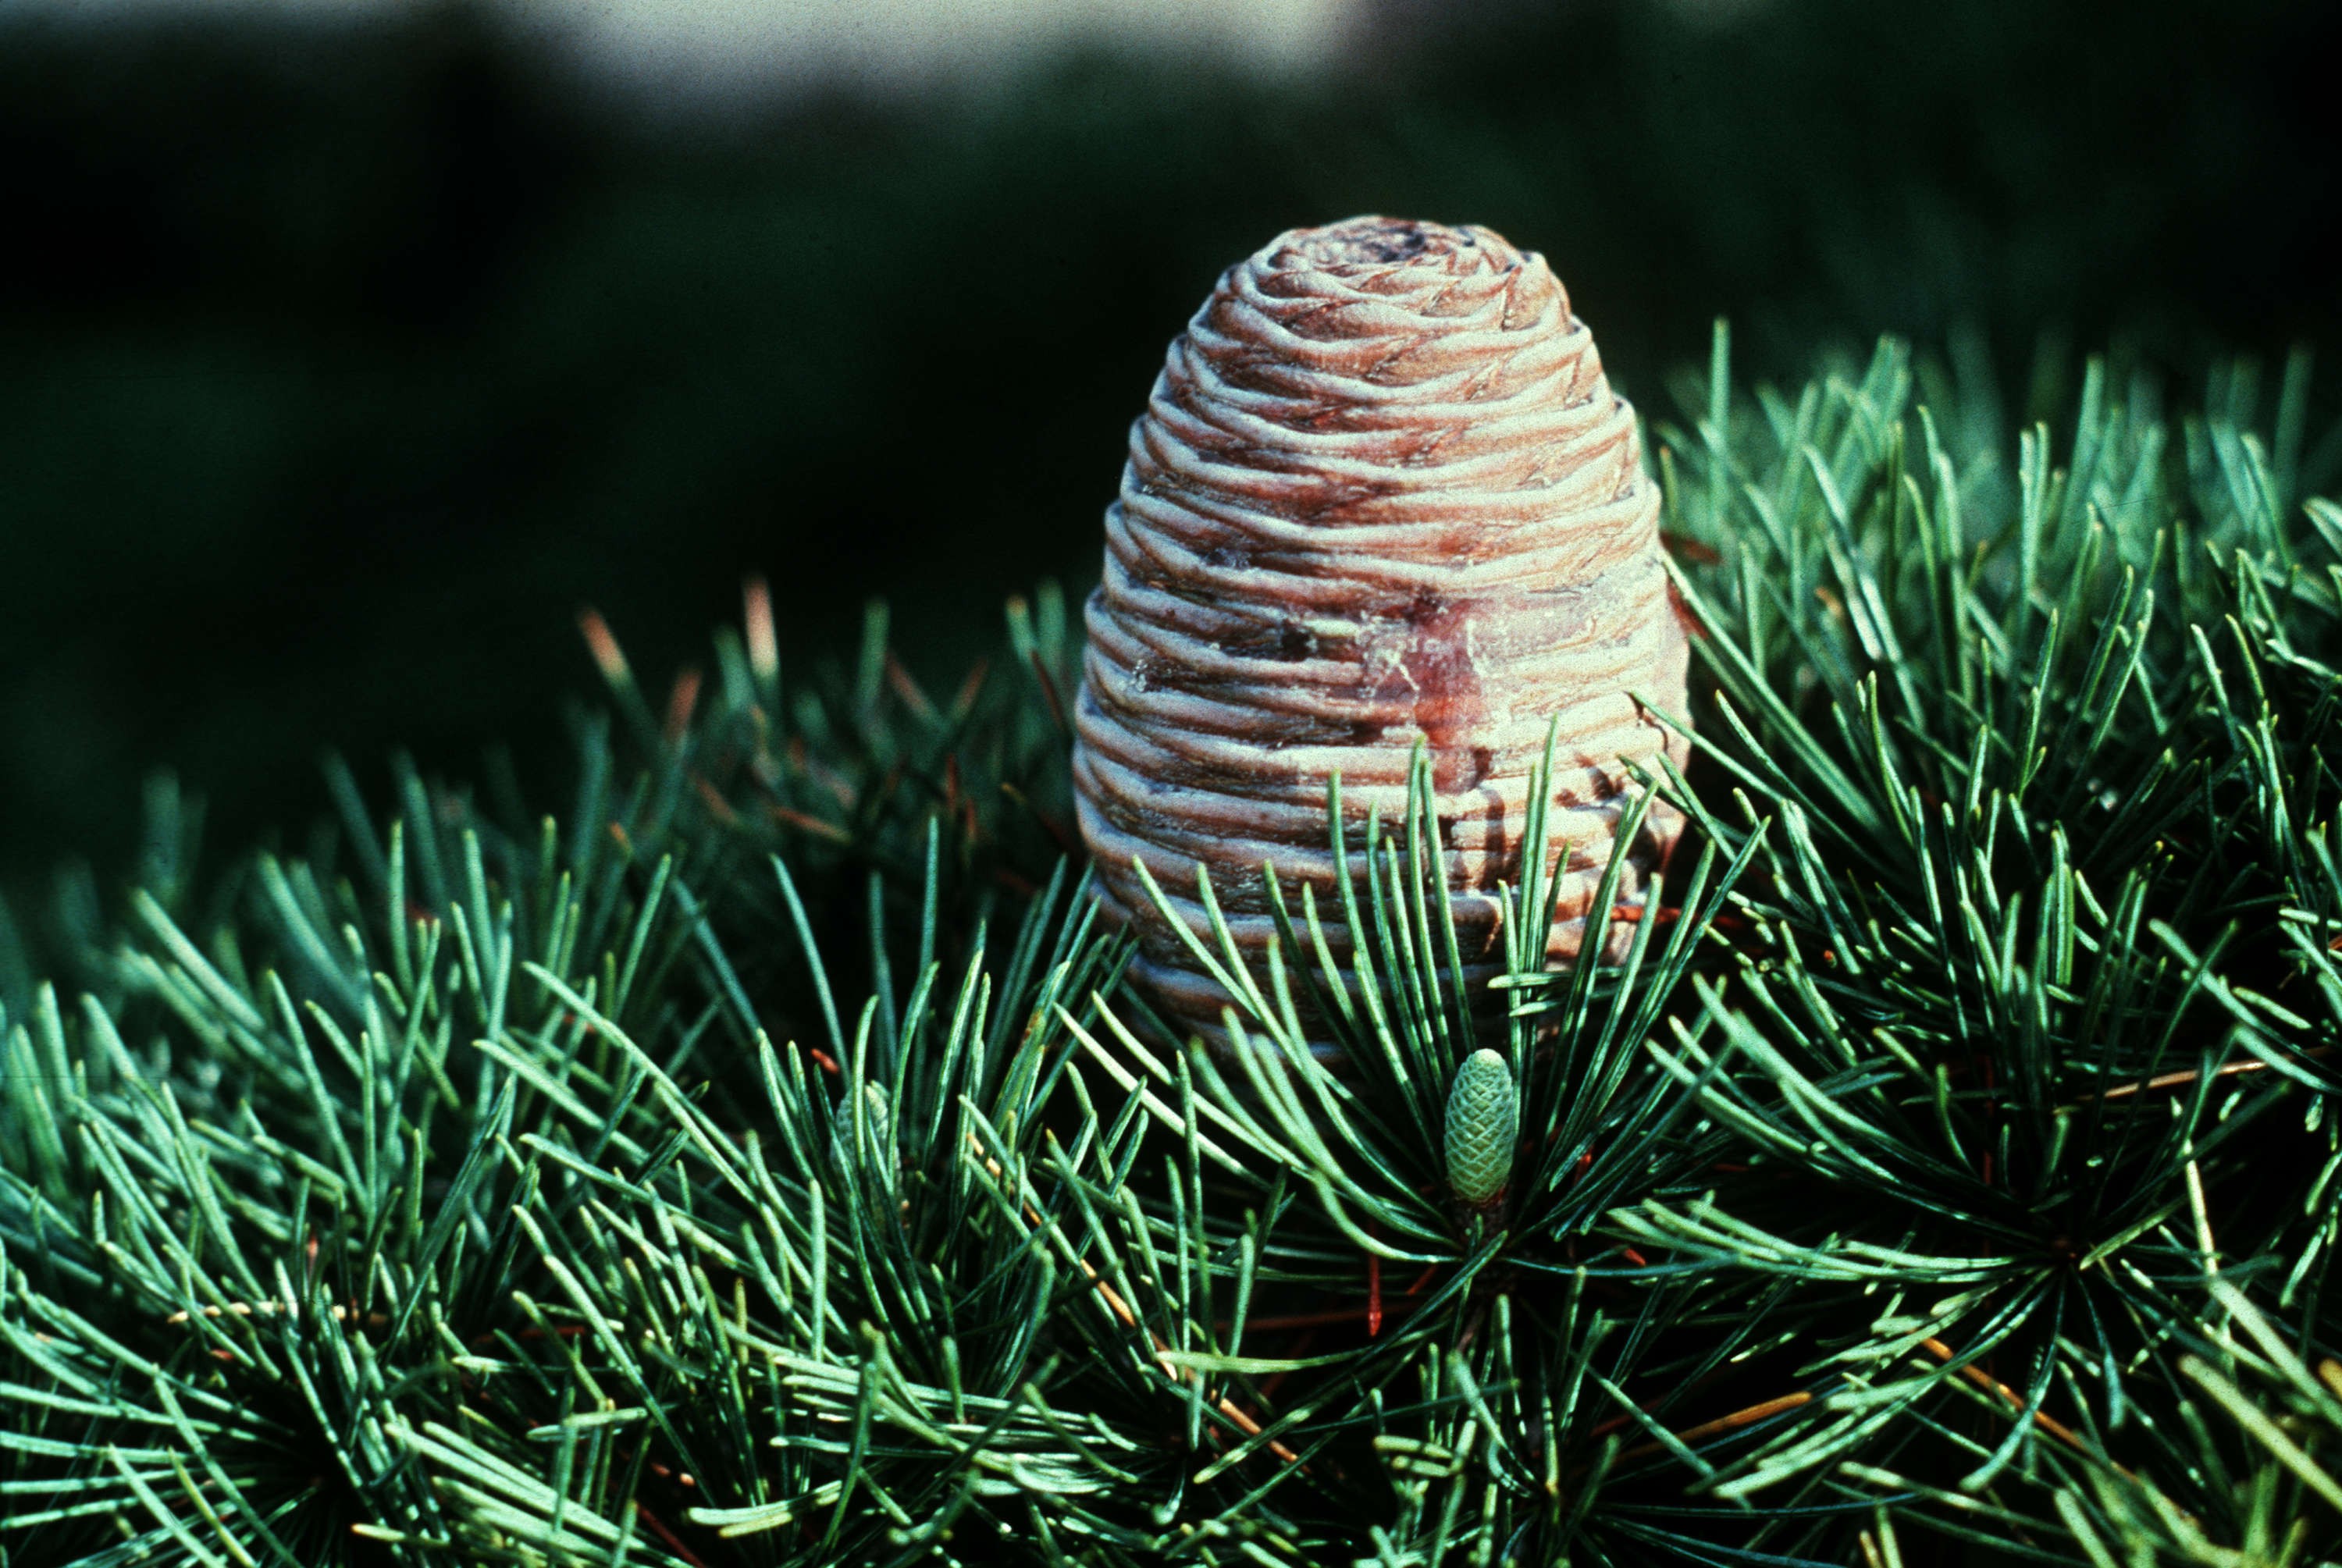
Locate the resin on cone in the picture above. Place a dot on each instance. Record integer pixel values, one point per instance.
(1381, 496)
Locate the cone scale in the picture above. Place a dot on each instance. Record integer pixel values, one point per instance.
(1382, 497)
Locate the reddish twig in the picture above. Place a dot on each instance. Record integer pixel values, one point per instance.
(673, 1541)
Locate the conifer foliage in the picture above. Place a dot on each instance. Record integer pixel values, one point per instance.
(760, 1160)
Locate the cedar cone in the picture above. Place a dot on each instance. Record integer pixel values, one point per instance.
(1381, 496)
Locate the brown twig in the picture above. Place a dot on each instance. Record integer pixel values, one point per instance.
(1723, 1423)
(712, 798)
(809, 823)
(681, 702)
(908, 689)
(1049, 691)
(1991, 1384)
(673, 1541)
(2187, 1075)
(1056, 830)
(1319, 1319)
(603, 645)
(764, 647)
(971, 687)
(1121, 1309)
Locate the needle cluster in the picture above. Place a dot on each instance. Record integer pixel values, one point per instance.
(767, 1159)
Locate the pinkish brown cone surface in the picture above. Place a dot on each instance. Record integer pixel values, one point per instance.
(1381, 496)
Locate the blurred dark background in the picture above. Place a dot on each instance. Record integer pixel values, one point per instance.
(345, 362)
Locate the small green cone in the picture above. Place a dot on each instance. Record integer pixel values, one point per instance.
(1482, 1114)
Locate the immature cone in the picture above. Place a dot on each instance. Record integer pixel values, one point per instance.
(1482, 1123)
(1381, 496)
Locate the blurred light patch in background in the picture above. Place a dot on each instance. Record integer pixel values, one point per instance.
(889, 45)
(720, 51)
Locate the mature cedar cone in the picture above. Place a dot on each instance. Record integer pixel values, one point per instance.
(1382, 496)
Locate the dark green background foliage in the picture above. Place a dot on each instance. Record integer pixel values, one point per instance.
(342, 365)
